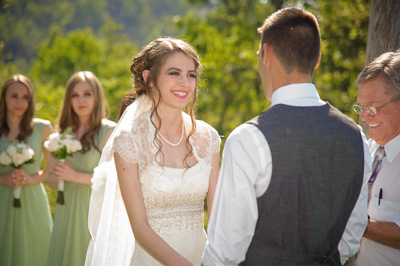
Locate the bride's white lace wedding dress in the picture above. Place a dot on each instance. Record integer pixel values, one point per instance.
(174, 197)
(174, 204)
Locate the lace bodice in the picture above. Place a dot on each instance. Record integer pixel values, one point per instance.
(173, 197)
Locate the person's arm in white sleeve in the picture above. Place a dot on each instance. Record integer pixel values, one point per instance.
(232, 223)
(350, 242)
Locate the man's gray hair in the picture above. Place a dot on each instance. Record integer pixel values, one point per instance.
(387, 66)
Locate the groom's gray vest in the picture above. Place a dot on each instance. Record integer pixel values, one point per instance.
(317, 173)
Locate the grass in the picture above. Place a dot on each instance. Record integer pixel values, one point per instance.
(52, 196)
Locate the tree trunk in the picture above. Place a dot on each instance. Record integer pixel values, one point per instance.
(383, 32)
(383, 29)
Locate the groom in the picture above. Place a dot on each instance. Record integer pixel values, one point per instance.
(293, 182)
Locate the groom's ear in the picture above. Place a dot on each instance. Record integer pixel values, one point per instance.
(319, 59)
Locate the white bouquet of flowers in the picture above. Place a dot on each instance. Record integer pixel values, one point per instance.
(16, 154)
(62, 145)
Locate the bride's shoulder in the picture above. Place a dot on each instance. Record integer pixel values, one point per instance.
(203, 127)
(135, 125)
(206, 138)
(206, 134)
(142, 118)
(134, 128)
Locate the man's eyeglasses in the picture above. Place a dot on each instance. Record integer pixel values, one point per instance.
(372, 110)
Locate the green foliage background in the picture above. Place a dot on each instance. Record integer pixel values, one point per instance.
(49, 40)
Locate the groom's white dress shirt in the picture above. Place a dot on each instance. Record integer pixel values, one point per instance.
(245, 175)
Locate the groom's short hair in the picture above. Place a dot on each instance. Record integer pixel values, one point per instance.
(294, 35)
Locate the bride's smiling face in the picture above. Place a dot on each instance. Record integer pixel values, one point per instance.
(177, 80)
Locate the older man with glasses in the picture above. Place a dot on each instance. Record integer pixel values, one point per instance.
(379, 107)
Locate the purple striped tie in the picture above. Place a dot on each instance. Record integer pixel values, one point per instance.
(376, 165)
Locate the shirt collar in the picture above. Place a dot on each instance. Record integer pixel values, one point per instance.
(392, 148)
(300, 94)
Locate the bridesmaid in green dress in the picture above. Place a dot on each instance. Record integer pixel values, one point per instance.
(25, 231)
(84, 111)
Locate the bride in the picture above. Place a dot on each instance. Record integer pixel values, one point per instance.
(157, 168)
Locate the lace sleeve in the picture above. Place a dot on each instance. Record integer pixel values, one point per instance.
(215, 141)
(206, 140)
(125, 146)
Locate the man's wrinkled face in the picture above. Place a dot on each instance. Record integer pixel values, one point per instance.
(385, 125)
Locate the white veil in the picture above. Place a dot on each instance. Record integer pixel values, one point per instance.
(112, 240)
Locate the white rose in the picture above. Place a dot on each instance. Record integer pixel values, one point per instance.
(67, 143)
(77, 145)
(28, 153)
(52, 145)
(18, 159)
(5, 159)
(72, 145)
(54, 136)
(73, 148)
(11, 150)
(21, 146)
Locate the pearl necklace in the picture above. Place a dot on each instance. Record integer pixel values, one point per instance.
(170, 143)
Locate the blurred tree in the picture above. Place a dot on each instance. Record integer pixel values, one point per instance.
(87, 13)
(114, 71)
(58, 58)
(24, 24)
(344, 28)
(107, 56)
(146, 20)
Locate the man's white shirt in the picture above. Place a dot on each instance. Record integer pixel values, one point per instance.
(384, 206)
(245, 175)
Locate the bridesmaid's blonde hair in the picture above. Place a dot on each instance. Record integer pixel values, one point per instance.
(69, 118)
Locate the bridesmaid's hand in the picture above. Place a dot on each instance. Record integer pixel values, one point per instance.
(63, 171)
(16, 178)
(9, 180)
(26, 178)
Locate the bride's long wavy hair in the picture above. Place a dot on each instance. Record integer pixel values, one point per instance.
(152, 58)
(26, 125)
